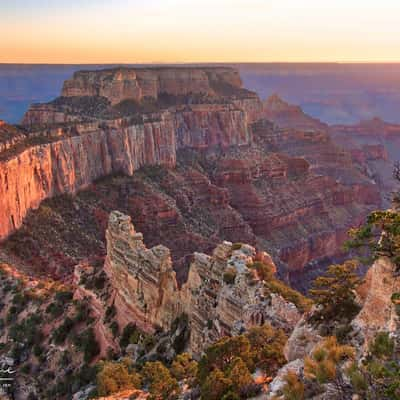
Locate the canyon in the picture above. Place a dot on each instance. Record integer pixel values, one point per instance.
(71, 157)
(151, 211)
(210, 165)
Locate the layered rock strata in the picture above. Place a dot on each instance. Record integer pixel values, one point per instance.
(69, 164)
(146, 291)
(144, 280)
(375, 145)
(68, 144)
(290, 190)
(138, 83)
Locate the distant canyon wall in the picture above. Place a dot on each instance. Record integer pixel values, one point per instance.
(139, 83)
(77, 153)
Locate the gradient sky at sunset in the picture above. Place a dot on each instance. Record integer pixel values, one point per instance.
(130, 31)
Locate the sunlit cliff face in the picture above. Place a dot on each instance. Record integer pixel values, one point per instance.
(95, 31)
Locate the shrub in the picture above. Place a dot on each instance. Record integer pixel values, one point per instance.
(26, 368)
(87, 343)
(82, 312)
(230, 275)
(64, 297)
(160, 381)
(65, 359)
(383, 346)
(184, 367)
(220, 355)
(110, 312)
(325, 361)
(215, 386)
(302, 303)
(27, 331)
(379, 373)
(114, 328)
(396, 301)
(231, 396)
(130, 334)
(37, 350)
(62, 332)
(294, 387)
(114, 377)
(267, 346)
(240, 375)
(55, 309)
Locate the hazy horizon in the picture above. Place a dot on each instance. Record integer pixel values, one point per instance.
(332, 92)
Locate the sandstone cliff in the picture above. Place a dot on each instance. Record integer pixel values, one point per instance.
(146, 291)
(143, 279)
(138, 83)
(71, 163)
(67, 145)
(379, 311)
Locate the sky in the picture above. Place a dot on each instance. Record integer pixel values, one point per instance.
(179, 31)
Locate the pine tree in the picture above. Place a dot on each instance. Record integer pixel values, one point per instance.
(334, 292)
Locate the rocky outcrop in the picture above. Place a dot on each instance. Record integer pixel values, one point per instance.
(286, 115)
(146, 291)
(143, 279)
(302, 340)
(379, 312)
(139, 83)
(9, 136)
(218, 306)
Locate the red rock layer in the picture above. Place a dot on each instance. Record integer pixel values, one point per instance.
(291, 190)
(97, 149)
(69, 164)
